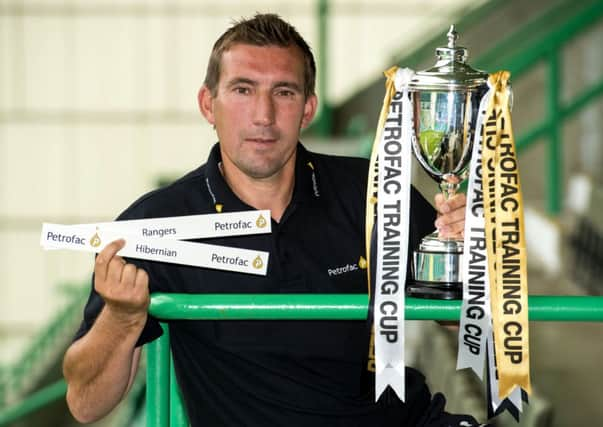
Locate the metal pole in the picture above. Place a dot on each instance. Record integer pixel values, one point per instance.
(554, 164)
(158, 380)
(350, 306)
(37, 400)
(178, 416)
(323, 123)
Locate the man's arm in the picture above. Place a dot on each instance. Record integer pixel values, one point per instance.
(99, 367)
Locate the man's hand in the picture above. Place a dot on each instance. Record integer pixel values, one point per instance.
(451, 215)
(123, 287)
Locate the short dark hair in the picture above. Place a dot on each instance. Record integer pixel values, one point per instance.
(264, 29)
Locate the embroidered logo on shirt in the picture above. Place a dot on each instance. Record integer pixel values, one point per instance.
(314, 183)
(362, 262)
(342, 270)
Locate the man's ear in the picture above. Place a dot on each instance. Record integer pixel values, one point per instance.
(309, 111)
(206, 105)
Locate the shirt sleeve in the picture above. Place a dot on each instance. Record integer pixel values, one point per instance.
(422, 218)
(423, 214)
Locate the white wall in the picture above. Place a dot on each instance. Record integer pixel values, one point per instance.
(98, 100)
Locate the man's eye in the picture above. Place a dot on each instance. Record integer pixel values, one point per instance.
(286, 93)
(242, 90)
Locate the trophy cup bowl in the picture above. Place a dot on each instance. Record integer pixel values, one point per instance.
(444, 128)
(445, 101)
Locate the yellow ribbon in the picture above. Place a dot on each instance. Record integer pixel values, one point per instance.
(507, 264)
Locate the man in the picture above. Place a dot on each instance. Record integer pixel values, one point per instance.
(258, 94)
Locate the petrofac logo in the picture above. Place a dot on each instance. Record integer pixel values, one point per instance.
(258, 263)
(348, 268)
(95, 241)
(261, 222)
(341, 270)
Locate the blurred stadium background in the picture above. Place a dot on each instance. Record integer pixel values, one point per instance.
(98, 105)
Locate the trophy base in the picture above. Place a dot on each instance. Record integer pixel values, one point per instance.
(437, 269)
(429, 290)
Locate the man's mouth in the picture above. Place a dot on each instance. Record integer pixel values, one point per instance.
(261, 140)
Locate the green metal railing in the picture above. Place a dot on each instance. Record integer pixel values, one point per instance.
(540, 42)
(166, 409)
(17, 377)
(56, 391)
(44, 347)
(526, 49)
(47, 344)
(35, 401)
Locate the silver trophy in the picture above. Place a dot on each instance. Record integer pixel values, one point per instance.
(446, 99)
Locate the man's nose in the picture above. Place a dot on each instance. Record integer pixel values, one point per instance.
(263, 114)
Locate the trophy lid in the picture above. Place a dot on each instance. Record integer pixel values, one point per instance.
(450, 71)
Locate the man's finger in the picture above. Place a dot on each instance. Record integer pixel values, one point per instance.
(439, 202)
(450, 218)
(101, 266)
(115, 270)
(142, 279)
(452, 230)
(445, 206)
(128, 275)
(456, 202)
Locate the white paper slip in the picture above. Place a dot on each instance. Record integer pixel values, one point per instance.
(93, 238)
(194, 226)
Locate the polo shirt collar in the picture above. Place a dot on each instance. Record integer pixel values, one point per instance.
(306, 187)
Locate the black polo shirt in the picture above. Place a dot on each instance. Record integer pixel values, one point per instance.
(279, 373)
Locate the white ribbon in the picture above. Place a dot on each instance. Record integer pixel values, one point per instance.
(476, 316)
(393, 207)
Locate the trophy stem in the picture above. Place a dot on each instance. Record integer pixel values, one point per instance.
(449, 189)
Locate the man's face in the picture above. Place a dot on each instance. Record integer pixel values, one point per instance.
(259, 107)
